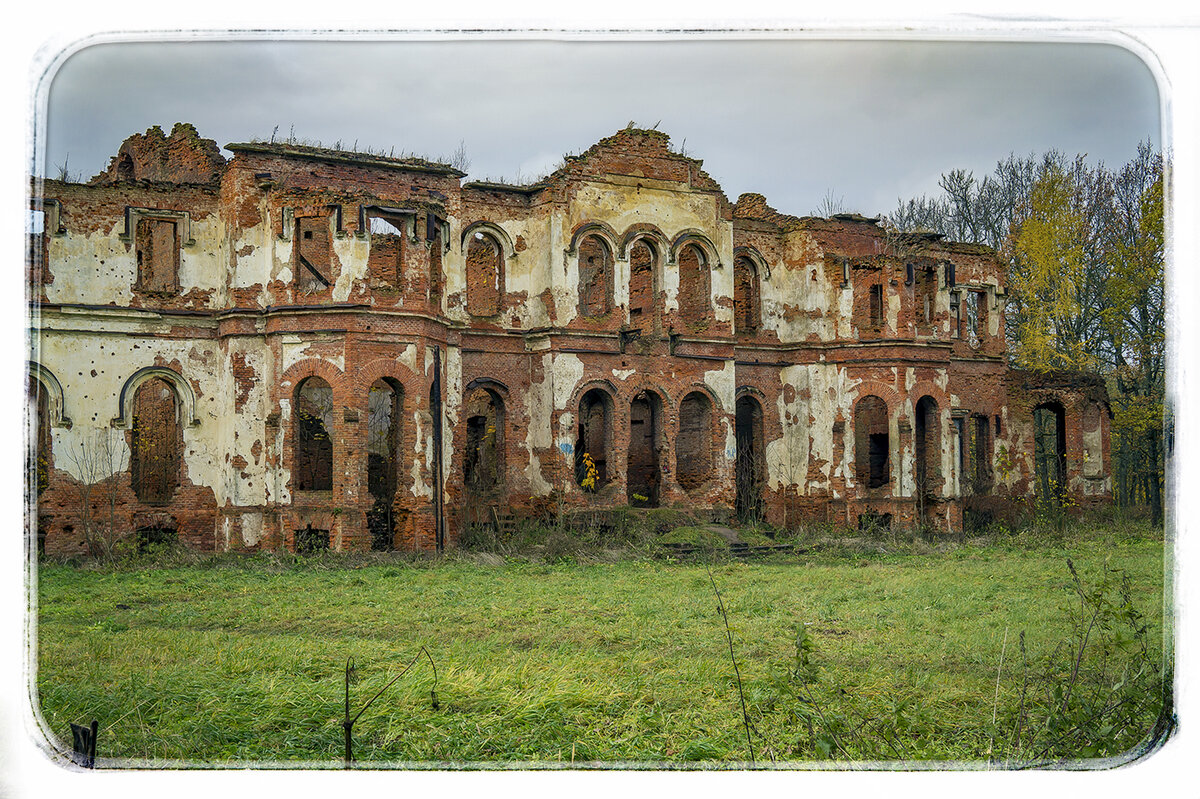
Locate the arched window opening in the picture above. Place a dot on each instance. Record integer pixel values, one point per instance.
(314, 440)
(642, 293)
(643, 474)
(125, 168)
(483, 460)
(746, 305)
(1050, 451)
(484, 276)
(750, 467)
(155, 442)
(594, 440)
(383, 459)
(693, 445)
(39, 454)
(871, 444)
(927, 471)
(695, 300)
(595, 277)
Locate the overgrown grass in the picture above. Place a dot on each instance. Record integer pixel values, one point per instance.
(241, 659)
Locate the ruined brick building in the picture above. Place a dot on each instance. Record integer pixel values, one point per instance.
(301, 347)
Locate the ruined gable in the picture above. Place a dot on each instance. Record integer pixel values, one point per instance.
(182, 157)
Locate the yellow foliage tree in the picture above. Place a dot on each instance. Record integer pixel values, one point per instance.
(1048, 269)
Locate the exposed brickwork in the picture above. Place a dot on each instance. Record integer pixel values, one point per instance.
(477, 345)
(182, 157)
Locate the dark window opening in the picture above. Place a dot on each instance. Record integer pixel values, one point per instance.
(383, 457)
(645, 412)
(750, 471)
(310, 540)
(435, 268)
(927, 454)
(872, 442)
(151, 538)
(155, 442)
(1050, 451)
(746, 303)
(40, 453)
(874, 521)
(960, 454)
(876, 309)
(642, 303)
(694, 443)
(695, 301)
(981, 456)
(595, 277)
(314, 442)
(157, 255)
(592, 443)
(976, 316)
(125, 168)
(925, 287)
(483, 459)
(484, 276)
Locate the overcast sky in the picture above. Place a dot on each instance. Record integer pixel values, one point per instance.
(869, 121)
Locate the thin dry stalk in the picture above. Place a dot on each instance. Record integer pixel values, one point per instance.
(737, 672)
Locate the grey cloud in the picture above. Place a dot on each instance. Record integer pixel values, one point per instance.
(791, 119)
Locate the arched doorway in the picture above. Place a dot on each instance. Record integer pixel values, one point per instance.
(927, 472)
(750, 466)
(644, 474)
(383, 458)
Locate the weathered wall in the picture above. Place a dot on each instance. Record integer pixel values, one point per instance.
(296, 263)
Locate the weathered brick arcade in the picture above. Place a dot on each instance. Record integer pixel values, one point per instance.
(302, 347)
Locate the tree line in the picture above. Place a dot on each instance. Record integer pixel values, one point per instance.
(1084, 246)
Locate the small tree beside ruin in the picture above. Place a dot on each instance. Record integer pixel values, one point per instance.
(98, 460)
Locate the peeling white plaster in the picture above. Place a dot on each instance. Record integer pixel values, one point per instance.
(723, 383)
(568, 371)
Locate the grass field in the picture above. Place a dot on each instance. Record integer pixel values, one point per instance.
(905, 656)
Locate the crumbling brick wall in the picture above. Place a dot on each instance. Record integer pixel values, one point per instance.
(700, 352)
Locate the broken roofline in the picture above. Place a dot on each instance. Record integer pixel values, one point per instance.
(346, 157)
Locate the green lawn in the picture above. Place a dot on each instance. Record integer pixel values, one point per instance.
(243, 660)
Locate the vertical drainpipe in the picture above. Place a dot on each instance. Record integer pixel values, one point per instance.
(435, 410)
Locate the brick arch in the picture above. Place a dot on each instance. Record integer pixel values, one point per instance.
(708, 448)
(315, 367)
(605, 464)
(490, 384)
(703, 388)
(644, 230)
(507, 250)
(927, 388)
(885, 392)
(632, 388)
(704, 243)
(755, 257)
(412, 383)
(183, 392)
(601, 230)
(602, 383)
